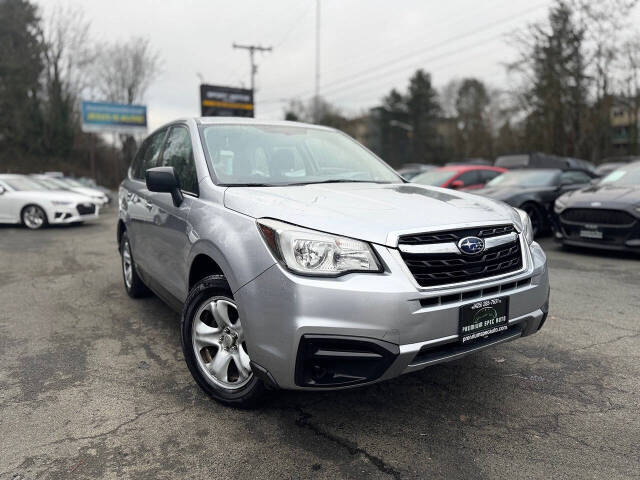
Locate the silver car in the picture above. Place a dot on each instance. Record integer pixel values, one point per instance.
(300, 260)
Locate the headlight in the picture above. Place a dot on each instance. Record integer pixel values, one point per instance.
(314, 253)
(559, 205)
(60, 203)
(527, 228)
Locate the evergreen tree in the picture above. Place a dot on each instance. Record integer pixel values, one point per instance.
(20, 69)
(423, 112)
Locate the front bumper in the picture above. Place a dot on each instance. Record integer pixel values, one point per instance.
(65, 215)
(624, 237)
(420, 326)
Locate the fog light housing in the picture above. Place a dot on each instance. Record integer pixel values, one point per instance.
(334, 361)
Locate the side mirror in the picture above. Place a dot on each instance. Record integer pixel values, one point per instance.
(2, 190)
(164, 180)
(457, 184)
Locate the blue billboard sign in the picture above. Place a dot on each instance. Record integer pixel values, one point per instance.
(113, 117)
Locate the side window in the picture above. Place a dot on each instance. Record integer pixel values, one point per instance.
(574, 177)
(136, 166)
(179, 155)
(486, 175)
(469, 178)
(147, 156)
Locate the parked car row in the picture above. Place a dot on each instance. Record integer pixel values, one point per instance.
(571, 200)
(38, 201)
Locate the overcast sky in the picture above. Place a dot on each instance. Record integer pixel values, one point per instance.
(367, 46)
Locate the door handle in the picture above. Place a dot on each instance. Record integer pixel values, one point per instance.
(148, 205)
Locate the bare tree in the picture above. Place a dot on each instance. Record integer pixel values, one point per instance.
(630, 66)
(448, 95)
(68, 54)
(125, 71)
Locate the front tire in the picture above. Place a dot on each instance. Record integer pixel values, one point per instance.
(33, 217)
(214, 345)
(537, 216)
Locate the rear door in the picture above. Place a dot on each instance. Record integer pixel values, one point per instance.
(167, 236)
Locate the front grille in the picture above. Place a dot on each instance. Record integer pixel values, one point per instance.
(434, 269)
(86, 208)
(597, 216)
(455, 235)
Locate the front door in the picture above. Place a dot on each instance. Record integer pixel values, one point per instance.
(167, 235)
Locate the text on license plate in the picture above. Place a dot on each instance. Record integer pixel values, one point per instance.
(597, 234)
(484, 317)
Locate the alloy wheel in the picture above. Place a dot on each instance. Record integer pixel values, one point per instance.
(127, 266)
(219, 344)
(33, 217)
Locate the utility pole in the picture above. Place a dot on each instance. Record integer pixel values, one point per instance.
(316, 98)
(254, 68)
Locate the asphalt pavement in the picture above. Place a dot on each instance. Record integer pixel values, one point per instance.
(93, 385)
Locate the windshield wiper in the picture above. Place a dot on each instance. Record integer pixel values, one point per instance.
(339, 180)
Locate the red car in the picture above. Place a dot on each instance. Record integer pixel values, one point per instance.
(460, 177)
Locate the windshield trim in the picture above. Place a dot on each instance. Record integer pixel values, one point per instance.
(214, 178)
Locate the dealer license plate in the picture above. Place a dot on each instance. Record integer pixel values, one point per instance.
(483, 318)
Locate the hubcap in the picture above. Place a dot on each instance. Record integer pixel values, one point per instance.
(126, 264)
(33, 217)
(218, 344)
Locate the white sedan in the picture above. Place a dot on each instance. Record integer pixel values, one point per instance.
(25, 201)
(71, 185)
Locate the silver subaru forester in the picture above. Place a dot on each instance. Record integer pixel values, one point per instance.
(300, 260)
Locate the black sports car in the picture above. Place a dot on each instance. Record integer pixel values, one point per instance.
(535, 190)
(606, 215)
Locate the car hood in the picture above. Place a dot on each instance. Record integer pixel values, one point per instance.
(603, 194)
(91, 192)
(368, 212)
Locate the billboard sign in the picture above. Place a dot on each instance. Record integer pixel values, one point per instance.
(113, 117)
(217, 101)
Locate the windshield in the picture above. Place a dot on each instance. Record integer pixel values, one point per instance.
(51, 183)
(525, 178)
(71, 182)
(435, 177)
(628, 175)
(23, 184)
(289, 155)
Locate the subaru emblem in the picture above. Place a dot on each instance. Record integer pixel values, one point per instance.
(471, 245)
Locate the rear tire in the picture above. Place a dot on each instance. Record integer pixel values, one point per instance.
(214, 347)
(33, 217)
(132, 283)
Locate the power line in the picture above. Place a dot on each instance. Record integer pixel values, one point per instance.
(399, 45)
(374, 70)
(305, 13)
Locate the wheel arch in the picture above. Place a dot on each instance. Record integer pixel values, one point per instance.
(201, 267)
(34, 204)
(120, 231)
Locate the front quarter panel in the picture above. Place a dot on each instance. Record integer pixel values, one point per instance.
(230, 238)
